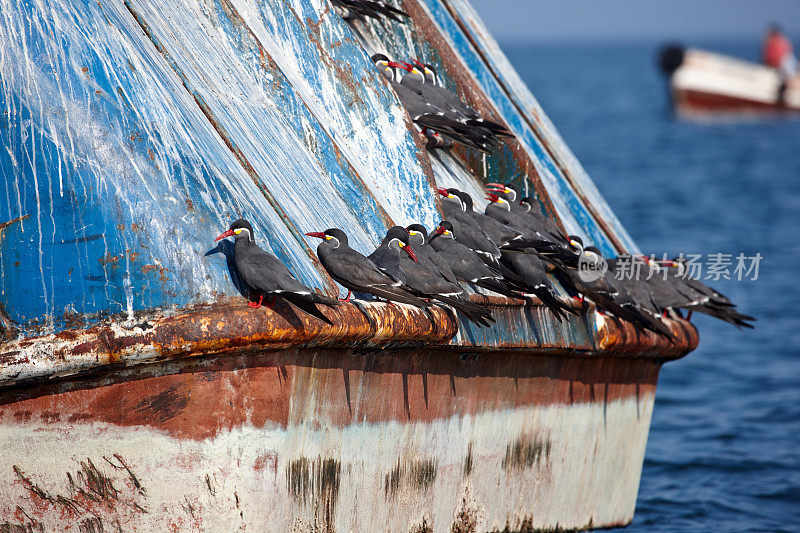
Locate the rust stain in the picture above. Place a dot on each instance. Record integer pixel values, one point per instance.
(418, 474)
(466, 519)
(110, 259)
(240, 329)
(422, 527)
(316, 483)
(259, 389)
(5, 225)
(525, 452)
(92, 495)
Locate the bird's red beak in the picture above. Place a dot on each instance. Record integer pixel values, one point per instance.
(440, 230)
(418, 63)
(495, 185)
(223, 235)
(397, 65)
(410, 253)
(317, 234)
(492, 197)
(441, 191)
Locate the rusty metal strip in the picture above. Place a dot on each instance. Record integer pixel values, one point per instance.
(206, 110)
(228, 327)
(623, 339)
(566, 172)
(13, 221)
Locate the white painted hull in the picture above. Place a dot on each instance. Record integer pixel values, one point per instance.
(303, 449)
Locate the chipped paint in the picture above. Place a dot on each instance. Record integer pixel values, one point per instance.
(332, 440)
(137, 390)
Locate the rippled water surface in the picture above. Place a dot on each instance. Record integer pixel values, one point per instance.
(723, 448)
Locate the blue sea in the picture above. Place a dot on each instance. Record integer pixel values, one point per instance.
(724, 446)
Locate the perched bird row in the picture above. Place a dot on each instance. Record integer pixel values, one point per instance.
(511, 249)
(659, 290)
(437, 111)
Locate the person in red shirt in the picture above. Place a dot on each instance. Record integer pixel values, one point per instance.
(779, 55)
(778, 52)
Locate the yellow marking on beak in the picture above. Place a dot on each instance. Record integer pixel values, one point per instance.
(237, 231)
(413, 232)
(328, 237)
(506, 190)
(402, 245)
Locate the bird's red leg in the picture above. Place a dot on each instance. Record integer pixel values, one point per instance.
(346, 298)
(689, 316)
(256, 305)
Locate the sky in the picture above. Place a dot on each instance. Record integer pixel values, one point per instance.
(636, 20)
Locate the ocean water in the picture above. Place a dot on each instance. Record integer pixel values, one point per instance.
(724, 447)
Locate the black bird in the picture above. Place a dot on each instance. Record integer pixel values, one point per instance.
(612, 296)
(267, 276)
(425, 115)
(359, 9)
(443, 99)
(541, 234)
(636, 295)
(357, 273)
(533, 272)
(507, 191)
(422, 278)
(698, 296)
(473, 117)
(498, 232)
(530, 210)
(418, 239)
(466, 230)
(527, 209)
(501, 210)
(467, 265)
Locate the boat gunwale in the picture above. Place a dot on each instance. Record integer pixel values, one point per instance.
(227, 327)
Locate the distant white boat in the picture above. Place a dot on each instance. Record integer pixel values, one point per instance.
(703, 82)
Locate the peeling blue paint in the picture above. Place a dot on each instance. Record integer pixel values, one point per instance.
(134, 132)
